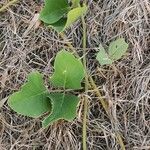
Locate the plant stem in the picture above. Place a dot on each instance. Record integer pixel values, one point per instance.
(106, 108)
(97, 92)
(84, 130)
(7, 5)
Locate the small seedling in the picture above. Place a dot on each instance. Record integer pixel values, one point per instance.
(115, 51)
(34, 99)
(60, 15)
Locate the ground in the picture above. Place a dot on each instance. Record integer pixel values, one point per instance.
(126, 85)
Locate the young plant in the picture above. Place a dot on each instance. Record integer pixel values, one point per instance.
(116, 50)
(34, 99)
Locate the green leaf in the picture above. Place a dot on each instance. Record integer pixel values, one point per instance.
(54, 10)
(117, 49)
(32, 99)
(59, 25)
(74, 14)
(63, 107)
(103, 57)
(69, 71)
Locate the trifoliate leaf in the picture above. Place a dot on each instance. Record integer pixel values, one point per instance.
(69, 71)
(103, 57)
(117, 49)
(32, 99)
(54, 10)
(63, 107)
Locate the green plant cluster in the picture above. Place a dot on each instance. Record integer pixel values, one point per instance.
(34, 99)
(115, 51)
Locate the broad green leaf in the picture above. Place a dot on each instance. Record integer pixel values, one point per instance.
(63, 107)
(117, 49)
(32, 99)
(69, 71)
(103, 57)
(74, 14)
(54, 10)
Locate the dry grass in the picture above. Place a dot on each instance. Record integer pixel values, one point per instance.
(127, 87)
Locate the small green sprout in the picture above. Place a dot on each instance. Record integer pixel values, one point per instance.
(116, 50)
